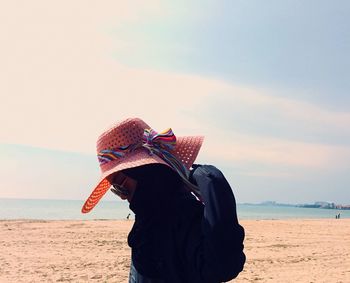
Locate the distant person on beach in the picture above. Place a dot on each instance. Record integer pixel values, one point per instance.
(186, 227)
(128, 214)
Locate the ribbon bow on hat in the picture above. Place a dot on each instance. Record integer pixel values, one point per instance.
(165, 140)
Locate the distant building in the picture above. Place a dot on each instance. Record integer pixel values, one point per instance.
(343, 207)
(325, 204)
(320, 204)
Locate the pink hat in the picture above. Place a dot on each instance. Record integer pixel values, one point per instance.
(132, 143)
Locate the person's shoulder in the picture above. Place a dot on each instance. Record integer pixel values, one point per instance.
(207, 170)
(211, 169)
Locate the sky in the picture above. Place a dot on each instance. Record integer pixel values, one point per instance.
(266, 83)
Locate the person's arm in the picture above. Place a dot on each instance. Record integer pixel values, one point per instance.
(218, 255)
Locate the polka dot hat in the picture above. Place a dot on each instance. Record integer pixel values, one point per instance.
(125, 145)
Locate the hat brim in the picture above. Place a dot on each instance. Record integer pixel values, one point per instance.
(186, 150)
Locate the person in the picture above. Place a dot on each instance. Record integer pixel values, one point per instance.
(186, 227)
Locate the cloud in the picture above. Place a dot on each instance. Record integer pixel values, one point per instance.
(62, 88)
(60, 85)
(266, 151)
(69, 115)
(247, 125)
(249, 108)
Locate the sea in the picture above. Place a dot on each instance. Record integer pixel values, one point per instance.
(71, 210)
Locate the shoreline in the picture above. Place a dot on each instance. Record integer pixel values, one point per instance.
(287, 250)
(71, 210)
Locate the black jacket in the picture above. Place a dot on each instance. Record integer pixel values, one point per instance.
(187, 241)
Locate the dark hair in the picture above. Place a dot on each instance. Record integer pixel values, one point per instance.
(157, 186)
(154, 174)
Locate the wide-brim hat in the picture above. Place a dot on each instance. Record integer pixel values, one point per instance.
(125, 146)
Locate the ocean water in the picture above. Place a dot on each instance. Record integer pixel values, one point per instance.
(70, 210)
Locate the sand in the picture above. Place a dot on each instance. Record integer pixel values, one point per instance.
(96, 251)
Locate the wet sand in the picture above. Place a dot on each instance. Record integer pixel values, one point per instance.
(96, 251)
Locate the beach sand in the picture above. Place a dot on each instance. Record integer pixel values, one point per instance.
(96, 251)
